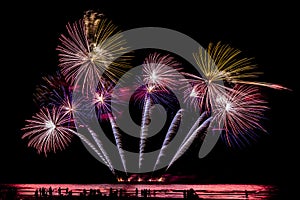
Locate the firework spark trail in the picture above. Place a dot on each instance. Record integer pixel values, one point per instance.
(193, 128)
(47, 131)
(144, 128)
(264, 84)
(169, 136)
(118, 140)
(159, 72)
(99, 153)
(102, 101)
(105, 157)
(189, 141)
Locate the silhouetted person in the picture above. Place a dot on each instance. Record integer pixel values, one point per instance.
(99, 193)
(191, 194)
(36, 194)
(110, 192)
(246, 194)
(145, 193)
(50, 191)
(136, 192)
(142, 192)
(43, 191)
(120, 192)
(59, 191)
(115, 193)
(84, 192)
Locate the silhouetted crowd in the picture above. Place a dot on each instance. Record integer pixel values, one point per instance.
(190, 194)
(91, 194)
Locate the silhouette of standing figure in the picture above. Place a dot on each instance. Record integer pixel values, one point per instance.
(59, 191)
(246, 194)
(110, 192)
(36, 194)
(50, 191)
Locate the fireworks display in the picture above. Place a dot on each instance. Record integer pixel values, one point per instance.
(226, 90)
(221, 65)
(169, 136)
(103, 98)
(161, 71)
(240, 112)
(48, 131)
(187, 143)
(90, 49)
(93, 51)
(53, 91)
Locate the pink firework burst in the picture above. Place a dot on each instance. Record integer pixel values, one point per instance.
(161, 71)
(160, 76)
(240, 112)
(48, 130)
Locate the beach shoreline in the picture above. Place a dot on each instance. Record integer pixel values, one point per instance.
(136, 191)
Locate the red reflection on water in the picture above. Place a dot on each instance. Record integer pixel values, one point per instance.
(205, 191)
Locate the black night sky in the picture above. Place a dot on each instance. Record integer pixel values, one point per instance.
(266, 32)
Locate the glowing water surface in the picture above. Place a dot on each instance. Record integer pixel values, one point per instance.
(205, 191)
